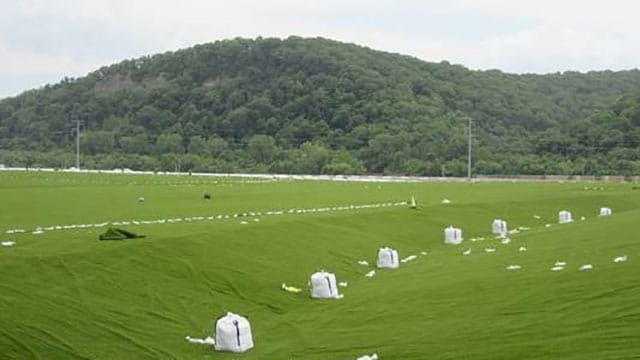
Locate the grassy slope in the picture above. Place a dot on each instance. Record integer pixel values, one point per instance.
(66, 295)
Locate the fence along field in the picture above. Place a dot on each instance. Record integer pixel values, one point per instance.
(65, 294)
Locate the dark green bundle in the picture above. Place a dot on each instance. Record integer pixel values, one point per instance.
(119, 234)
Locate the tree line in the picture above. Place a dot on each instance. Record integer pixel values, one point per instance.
(303, 105)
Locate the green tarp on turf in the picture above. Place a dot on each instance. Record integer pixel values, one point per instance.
(119, 234)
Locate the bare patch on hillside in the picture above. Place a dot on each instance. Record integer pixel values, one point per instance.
(210, 83)
(115, 82)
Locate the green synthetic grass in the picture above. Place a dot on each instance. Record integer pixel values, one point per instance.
(66, 295)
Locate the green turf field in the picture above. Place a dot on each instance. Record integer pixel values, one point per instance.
(66, 295)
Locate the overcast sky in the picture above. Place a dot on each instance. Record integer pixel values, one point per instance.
(41, 41)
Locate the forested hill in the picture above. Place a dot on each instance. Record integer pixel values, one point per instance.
(320, 106)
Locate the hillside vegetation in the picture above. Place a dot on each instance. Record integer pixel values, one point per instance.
(320, 106)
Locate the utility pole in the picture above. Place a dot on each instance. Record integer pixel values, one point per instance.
(77, 131)
(78, 144)
(469, 150)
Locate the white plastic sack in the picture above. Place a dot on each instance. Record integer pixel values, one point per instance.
(564, 217)
(233, 333)
(452, 235)
(373, 356)
(388, 258)
(324, 286)
(499, 227)
(605, 211)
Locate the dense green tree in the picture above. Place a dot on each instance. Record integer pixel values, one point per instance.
(169, 143)
(98, 142)
(217, 147)
(315, 105)
(262, 148)
(198, 145)
(137, 144)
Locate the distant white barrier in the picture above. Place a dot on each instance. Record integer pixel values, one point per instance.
(354, 178)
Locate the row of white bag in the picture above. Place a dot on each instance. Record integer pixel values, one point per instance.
(233, 332)
(324, 284)
(453, 235)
